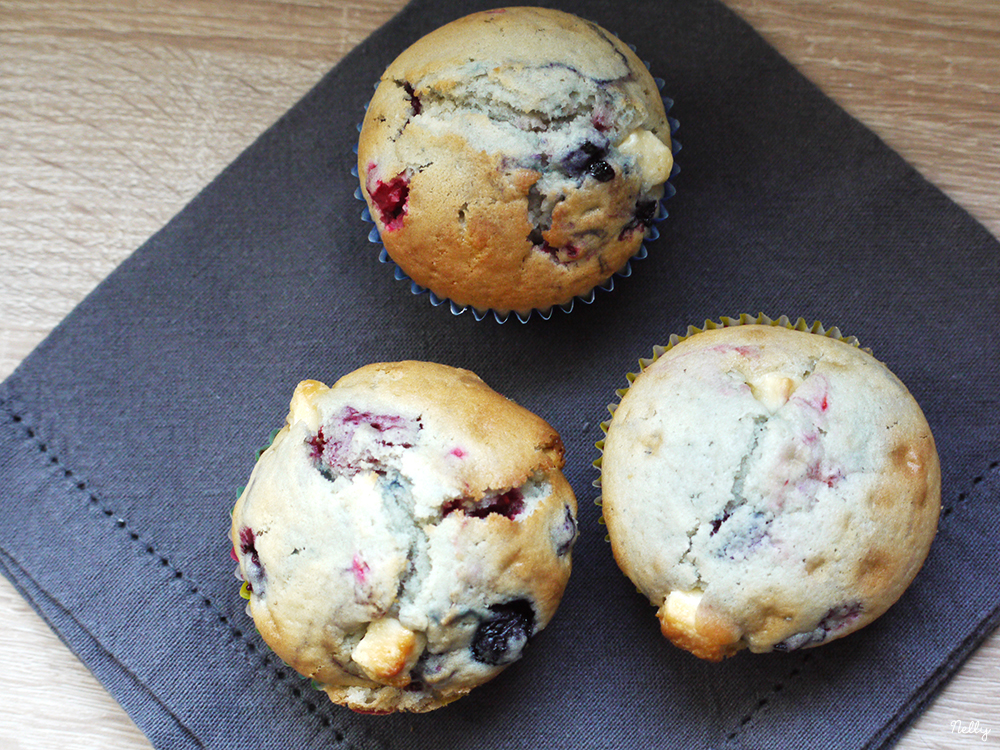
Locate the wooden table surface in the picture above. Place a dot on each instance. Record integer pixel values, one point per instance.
(113, 114)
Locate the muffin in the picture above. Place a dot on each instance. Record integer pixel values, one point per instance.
(514, 159)
(405, 535)
(768, 488)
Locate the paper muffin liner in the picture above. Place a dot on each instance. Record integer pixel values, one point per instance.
(784, 321)
(653, 233)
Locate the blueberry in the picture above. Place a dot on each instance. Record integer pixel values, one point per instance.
(501, 638)
(564, 535)
(645, 211)
(835, 620)
(602, 171)
(589, 159)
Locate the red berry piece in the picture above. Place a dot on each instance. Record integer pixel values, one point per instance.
(566, 254)
(253, 568)
(389, 197)
(414, 99)
(342, 447)
(509, 504)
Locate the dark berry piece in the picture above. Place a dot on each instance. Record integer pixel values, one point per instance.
(564, 534)
(742, 541)
(717, 523)
(840, 617)
(414, 99)
(645, 213)
(508, 504)
(501, 637)
(429, 667)
(601, 171)
(835, 620)
(254, 569)
(581, 161)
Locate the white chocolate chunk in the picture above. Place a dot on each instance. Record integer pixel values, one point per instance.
(681, 606)
(388, 652)
(652, 157)
(303, 407)
(773, 390)
(695, 628)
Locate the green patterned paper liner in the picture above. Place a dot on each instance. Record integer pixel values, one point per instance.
(744, 319)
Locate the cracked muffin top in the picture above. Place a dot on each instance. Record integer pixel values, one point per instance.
(405, 535)
(514, 159)
(768, 488)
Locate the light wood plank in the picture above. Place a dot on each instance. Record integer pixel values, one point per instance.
(114, 114)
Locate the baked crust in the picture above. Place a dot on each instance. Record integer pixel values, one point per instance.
(469, 158)
(782, 486)
(394, 516)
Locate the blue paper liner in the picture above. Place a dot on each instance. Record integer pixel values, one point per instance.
(608, 285)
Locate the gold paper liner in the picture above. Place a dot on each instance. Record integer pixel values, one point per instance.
(744, 319)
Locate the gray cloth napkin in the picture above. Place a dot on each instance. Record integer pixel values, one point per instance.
(125, 436)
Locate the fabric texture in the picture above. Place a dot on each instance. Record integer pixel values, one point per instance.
(125, 436)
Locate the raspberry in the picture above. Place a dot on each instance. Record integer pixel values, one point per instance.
(254, 568)
(509, 504)
(389, 197)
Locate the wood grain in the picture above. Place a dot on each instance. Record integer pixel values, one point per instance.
(113, 114)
